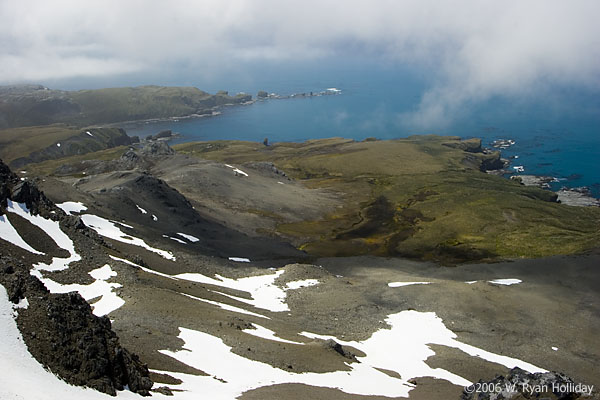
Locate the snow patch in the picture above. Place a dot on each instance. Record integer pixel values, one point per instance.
(265, 294)
(103, 273)
(10, 234)
(108, 229)
(300, 284)
(70, 207)
(150, 271)
(154, 217)
(123, 224)
(226, 307)
(236, 170)
(23, 304)
(141, 209)
(386, 349)
(400, 284)
(175, 239)
(108, 302)
(262, 332)
(52, 229)
(89, 133)
(506, 282)
(189, 237)
(239, 259)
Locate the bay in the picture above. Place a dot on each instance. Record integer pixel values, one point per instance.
(556, 132)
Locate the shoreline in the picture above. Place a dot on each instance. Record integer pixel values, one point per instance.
(214, 113)
(575, 195)
(215, 110)
(580, 196)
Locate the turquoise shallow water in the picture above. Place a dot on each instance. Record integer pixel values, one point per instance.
(555, 134)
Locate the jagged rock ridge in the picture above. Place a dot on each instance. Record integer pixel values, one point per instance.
(60, 330)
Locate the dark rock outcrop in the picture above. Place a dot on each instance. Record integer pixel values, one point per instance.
(133, 158)
(266, 167)
(341, 350)
(157, 149)
(60, 330)
(11, 187)
(63, 335)
(492, 161)
(163, 134)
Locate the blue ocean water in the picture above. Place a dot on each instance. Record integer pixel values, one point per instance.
(556, 133)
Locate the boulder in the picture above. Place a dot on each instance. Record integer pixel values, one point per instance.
(341, 350)
(157, 149)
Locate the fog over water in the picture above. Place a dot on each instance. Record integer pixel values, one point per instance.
(525, 70)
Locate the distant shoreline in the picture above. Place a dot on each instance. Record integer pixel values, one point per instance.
(215, 112)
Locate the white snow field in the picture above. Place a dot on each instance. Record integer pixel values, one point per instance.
(108, 301)
(403, 349)
(70, 207)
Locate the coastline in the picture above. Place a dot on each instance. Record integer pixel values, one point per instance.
(214, 111)
(573, 196)
(579, 195)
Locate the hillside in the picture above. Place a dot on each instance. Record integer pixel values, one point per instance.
(423, 197)
(31, 105)
(188, 257)
(21, 146)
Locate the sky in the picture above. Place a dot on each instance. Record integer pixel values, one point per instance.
(469, 50)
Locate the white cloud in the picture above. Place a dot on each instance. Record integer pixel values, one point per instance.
(474, 48)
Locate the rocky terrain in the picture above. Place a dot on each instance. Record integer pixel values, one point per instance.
(60, 330)
(327, 269)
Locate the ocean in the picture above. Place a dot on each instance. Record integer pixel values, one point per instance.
(556, 132)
